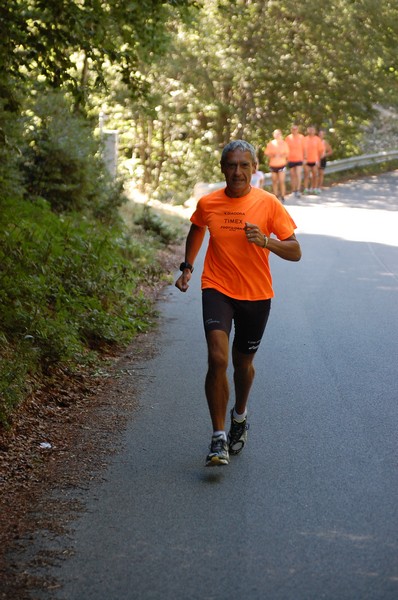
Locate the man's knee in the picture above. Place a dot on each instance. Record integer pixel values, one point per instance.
(217, 361)
(241, 361)
(218, 350)
(244, 372)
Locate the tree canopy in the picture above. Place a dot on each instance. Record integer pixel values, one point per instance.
(245, 68)
(181, 78)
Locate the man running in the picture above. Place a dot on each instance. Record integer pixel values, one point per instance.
(295, 141)
(236, 285)
(313, 150)
(327, 151)
(277, 151)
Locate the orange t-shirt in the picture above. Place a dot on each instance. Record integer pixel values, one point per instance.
(296, 149)
(277, 152)
(313, 148)
(233, 266)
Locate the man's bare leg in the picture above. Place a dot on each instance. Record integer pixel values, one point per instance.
(216, 384)
(244, 373)
(306, 176)
(321, 174)
(274, 178)
(299, 175)
(243, 379)
(282, 185)
(293, 179)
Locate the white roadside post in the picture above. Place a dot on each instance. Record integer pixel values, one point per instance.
(110, 145)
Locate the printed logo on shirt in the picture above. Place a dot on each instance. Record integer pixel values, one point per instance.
(232, 222)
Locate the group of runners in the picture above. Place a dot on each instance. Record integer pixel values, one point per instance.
(299, 153)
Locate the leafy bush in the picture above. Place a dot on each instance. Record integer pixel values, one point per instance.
(152, 222)
(62, 161)
(10, 138)
(71, 274)
(68, 286)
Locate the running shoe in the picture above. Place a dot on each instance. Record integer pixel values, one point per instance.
(218, 454)
(237, 435)
(297, 194)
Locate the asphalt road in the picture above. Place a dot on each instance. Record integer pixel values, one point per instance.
(309, 510)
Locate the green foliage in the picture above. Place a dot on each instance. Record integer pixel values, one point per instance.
(67, 285)
(71, 276)
(153, 223)
(62, 162)
(10, 137)
(14, 376)
(67, 43)
(243, 69)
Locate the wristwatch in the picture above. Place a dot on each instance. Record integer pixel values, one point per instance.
(186, 265)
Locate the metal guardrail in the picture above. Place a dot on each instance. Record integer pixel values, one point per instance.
(333, 166)
(361, 161)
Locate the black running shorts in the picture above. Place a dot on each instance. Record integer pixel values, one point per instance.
(249, 317)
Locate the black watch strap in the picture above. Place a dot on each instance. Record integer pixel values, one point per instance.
(186, 265)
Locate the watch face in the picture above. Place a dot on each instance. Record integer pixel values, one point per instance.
(185, 265)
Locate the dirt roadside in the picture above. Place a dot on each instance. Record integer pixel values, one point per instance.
(61, 441)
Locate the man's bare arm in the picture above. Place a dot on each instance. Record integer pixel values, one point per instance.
(192, 246)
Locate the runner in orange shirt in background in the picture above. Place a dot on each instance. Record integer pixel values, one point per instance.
(277, 151)
(295, 141)
(313, 151)
(327, 151)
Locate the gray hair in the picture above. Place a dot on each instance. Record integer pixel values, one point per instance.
(238, 145)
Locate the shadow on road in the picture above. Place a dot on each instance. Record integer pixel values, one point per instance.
(211, 477)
